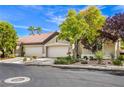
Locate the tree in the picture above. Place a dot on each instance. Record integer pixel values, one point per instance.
(114, 28)
(34, 30)
(8, 38)
(91, 36)
(72, 28)
(83, 26)
(39, 30)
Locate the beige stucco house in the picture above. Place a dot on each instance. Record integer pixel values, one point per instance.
(109, 48)
(47, 45)
(43, 45)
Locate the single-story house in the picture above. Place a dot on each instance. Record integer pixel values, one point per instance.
(108, 48)
(43, 45)
(47, 45)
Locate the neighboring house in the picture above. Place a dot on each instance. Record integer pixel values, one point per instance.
(108, 48)
(47, 45)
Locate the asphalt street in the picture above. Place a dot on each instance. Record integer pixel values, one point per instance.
(45, 76)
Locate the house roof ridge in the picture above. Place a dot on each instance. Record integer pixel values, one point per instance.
(39, 34)
(37, 38)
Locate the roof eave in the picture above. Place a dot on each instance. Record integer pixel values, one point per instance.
(44, 42)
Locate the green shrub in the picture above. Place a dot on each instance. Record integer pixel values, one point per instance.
(122, 44)
(25, 59)
(85, 57)
(34, 57)
(0, 53)
(117, 62)
(121, 57)
(61, 61)
(112, 56)
(64, 60)
(91, 58)
(99, 56)
(11, 56)
(7, 54)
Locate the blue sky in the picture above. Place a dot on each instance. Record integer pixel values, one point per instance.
(48, 17)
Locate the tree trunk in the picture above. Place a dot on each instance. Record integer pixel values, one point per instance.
(3, 54)
(75, 52)
(69, 50)
(76, 49)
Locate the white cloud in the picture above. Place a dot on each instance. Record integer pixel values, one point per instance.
(21, 26)
(56, 19)
(26, 27)
(50, 13)
(45, 29)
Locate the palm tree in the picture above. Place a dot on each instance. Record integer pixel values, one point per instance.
(32, 30)
(39, 30)
(35, 30)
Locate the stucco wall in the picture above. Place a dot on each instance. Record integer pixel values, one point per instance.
(54, 40)
(108, 49)
(34, 50)
(18, 50)
(86, 52)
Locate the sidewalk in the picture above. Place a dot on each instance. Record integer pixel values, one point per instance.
(88, 67)
(41, 62)
(17, 60)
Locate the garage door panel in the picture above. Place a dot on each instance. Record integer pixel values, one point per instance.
(57, 51)
(33, 51)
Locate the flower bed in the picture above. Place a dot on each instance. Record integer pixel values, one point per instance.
(65, 60)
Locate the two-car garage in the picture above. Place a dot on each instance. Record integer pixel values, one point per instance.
(51, 51)
(57, 51)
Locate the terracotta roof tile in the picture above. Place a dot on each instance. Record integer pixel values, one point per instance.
(34, 39)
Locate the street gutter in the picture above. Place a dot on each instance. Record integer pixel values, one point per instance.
(99, 68)
(88, 67)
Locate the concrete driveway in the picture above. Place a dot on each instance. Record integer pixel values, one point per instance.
(19, 60)
(45, 76)
(16, 60)
(41, 61)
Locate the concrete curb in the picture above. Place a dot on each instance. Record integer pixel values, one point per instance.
(98, 68)
(37, 65)
(88, 68)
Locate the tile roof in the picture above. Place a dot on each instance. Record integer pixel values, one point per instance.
(37, 38)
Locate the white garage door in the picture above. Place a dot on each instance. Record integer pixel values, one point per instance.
(33, 51)
(57, 51)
